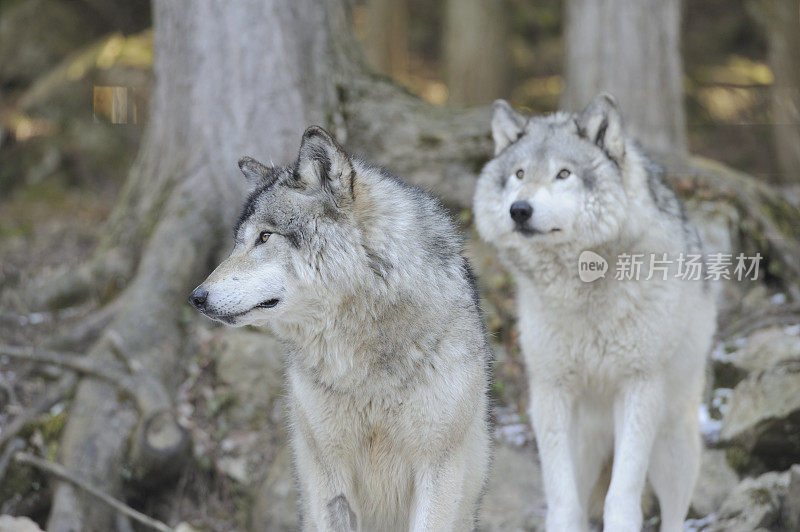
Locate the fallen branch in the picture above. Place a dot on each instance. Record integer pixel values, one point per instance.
(64, 474)
(5, 458)
(71, 361)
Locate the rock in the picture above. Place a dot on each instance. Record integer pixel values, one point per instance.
(762, 421)
(10, 523)
(754, 504)
(714, 483)
(251, 363)
(275, 505)
(765, 349)
(791, 506)
(514, 499)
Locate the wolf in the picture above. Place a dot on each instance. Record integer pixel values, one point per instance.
(615, 367)
(362, 276)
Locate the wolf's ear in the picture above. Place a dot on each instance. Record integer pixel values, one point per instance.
(323, 162)
(507, 125)
(255, 172)
(601, 123)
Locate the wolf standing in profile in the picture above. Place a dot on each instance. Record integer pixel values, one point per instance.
(362, 276)
(615, 367)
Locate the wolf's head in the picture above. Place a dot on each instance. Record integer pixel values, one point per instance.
(554, 180)
(296, 236)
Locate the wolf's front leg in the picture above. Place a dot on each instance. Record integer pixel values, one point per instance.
(637, 414)
(325, 506)
(438, 490)
(551, 412)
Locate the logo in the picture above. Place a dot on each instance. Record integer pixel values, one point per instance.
(591, 266)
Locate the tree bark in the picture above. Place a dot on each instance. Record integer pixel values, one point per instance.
(476, 51)
(386, 44)
(782, 24)
(631, 49)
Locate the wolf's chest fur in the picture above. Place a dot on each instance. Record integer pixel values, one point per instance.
(375, 438)
(596, 340)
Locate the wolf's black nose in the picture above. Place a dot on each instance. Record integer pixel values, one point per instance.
(198, 298)
(521, 211)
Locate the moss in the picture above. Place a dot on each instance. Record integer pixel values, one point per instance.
(742, 461)
(19, 481)
(760, 496)
(52, 426)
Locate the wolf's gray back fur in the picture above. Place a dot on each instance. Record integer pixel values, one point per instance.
(362, 276)
(614, 364)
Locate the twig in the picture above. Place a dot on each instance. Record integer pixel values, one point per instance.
(64, 474)
(65, 385)
(15, 445)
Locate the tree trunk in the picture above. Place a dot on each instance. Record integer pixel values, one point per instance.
(231, 79)
(631, 49)
(476, 51)
(386, 44)
(782, 25)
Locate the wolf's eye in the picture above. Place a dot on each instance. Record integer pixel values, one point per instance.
(263, 237)
(520, 173)
(563, 174)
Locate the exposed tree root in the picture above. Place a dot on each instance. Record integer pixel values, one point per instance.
(69, 361)
(78, 336)
(69, 476)
(769, 222)
(159, 440)
(99, 278)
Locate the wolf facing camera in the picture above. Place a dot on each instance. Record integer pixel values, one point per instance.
(361, 275)
(615, 366)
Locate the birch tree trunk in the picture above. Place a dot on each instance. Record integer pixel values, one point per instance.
(630, 48)
(476, 51)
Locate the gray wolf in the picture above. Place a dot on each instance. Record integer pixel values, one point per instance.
(362, 276)
(615, 366)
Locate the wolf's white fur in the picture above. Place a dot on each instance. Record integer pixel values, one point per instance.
(614, 366)
(387, 362)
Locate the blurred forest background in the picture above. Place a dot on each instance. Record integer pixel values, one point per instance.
(101, 161)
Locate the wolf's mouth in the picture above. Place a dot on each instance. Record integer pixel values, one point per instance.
(269, 303)
(529, 231)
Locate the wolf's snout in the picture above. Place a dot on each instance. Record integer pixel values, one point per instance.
(521, 211)
(198, 298)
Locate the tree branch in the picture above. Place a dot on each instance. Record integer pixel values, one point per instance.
(64, 474)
